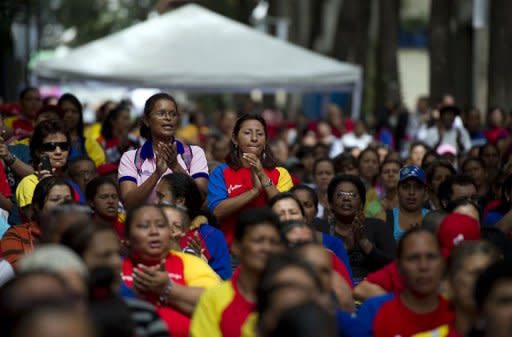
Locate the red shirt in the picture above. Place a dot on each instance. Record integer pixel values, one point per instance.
(340, 268)
(388, 278)
(5, 189)
(226, 182)
(394, 319)
(237, 312)
(495, 134)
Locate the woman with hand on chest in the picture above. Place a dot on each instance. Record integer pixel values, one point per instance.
(170, 280)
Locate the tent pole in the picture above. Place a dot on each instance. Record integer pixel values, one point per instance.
(357, 92)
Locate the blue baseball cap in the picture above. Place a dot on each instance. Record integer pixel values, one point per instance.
(411, 171)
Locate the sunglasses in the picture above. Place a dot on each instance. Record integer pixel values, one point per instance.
(52, 146)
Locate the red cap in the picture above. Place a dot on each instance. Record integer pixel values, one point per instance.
(456, 228)
(107, 168)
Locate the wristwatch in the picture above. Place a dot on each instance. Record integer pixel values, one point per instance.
(163, 299)
(267, 183)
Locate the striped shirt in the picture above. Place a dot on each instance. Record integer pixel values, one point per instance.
(18, 241)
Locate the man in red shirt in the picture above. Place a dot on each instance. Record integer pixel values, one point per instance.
(22, 125)
(419, 307)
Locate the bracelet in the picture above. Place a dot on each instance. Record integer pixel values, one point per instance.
(164, 297)
(268, 183)
(10, 159)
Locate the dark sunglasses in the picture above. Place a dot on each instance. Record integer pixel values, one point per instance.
(52, 146)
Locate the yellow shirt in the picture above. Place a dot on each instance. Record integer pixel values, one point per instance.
(93, 131)
(223, 312)
(197, 273)
(25, 190)
(95, 151)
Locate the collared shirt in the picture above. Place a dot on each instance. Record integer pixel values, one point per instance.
(128, 170)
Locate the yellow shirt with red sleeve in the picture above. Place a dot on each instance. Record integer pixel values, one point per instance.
(226, 182)
(222, 311)
(447, 330)
(183, 269)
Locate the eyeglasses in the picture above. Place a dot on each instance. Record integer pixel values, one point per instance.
(161, 114)
(348, 195)
(52, 146)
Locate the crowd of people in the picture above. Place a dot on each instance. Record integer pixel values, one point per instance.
(245, 224)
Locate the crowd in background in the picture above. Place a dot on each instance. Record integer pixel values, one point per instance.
(244, 223)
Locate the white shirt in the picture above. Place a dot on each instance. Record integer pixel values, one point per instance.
(6, 272)
(449, 137)
(349, 140)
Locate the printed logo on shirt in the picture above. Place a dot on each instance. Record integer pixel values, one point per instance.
(175, 276)
(232, 188)
(458, 239)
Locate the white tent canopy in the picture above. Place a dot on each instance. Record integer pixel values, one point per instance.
(194, 49)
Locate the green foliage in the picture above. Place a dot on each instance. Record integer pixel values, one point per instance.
(94, 19)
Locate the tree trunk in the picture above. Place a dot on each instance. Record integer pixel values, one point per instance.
(316, 18)
(500, 51)
(245, 8)
(352, 32)
(387, 84)
(439, 46)
(352, 36)
(9, 80)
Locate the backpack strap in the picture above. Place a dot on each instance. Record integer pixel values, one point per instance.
(137, 160)
(187, 155)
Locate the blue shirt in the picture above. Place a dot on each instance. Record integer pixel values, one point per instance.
(336, 246)
(220, 259)
(360, 324)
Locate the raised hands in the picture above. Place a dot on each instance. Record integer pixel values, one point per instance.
(359, 236)
(161, 160)
(358, 226)
(254, 162)
(167, 153)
